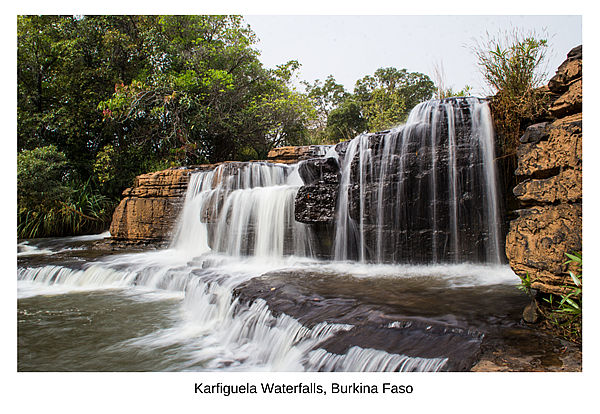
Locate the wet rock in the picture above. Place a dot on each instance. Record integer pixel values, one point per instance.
(323, 170)
(375, 319)
(316, 203)
(530, 313)
(415, 339)
(316, 200)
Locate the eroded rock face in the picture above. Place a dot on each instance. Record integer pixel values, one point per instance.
(316, 200)
(538, 240)
(550, 189)
(149, 209)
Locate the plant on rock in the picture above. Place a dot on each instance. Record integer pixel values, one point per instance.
(566, 309)
(512, 65)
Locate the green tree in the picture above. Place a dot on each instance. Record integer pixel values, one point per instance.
(325, 97)
(52, 200)
(206, 95)
(65, 66)
(42, 177)
(389, 95)
(346, 121)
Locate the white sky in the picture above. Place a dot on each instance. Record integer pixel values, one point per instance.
(350, 47)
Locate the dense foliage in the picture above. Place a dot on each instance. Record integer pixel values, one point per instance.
(52, 199)
(101, 99)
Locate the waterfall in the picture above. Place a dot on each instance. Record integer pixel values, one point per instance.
(243, 209)
(425, 192)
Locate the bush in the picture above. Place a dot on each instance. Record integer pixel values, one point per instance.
(52, 201)
(512, 64)
(42, 177)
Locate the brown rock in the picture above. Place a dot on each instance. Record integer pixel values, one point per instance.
(570, 102)
(569, 71)
(538, 240)
(562, 149)
(530, 313)
(564, 187)
(291, 155)
(144, 219)
(149, 209)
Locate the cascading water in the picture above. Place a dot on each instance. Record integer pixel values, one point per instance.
(425, 192)
(243, 209)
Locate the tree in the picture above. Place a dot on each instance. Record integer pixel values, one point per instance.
(51, 198)
(65, 66)
(42, 177)
(325, 97)
(346, 121)
(206, 95)
(387, 97)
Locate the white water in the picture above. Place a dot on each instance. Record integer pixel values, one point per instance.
(250, 210)
(214, 332)
(424, 132)
(26, 249)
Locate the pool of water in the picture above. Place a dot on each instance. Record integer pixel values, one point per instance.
(84, 306)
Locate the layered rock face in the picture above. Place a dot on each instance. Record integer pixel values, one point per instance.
(550, 189)
(291, 155)
(148, 210)
(316, 200)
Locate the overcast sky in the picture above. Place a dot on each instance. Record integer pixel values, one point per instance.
(350, 47)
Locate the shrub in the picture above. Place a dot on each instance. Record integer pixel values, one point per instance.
(513, 65)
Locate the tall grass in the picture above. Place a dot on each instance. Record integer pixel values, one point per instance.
(84, 212)
(513, 65)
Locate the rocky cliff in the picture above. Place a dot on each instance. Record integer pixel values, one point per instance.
(550, 189)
